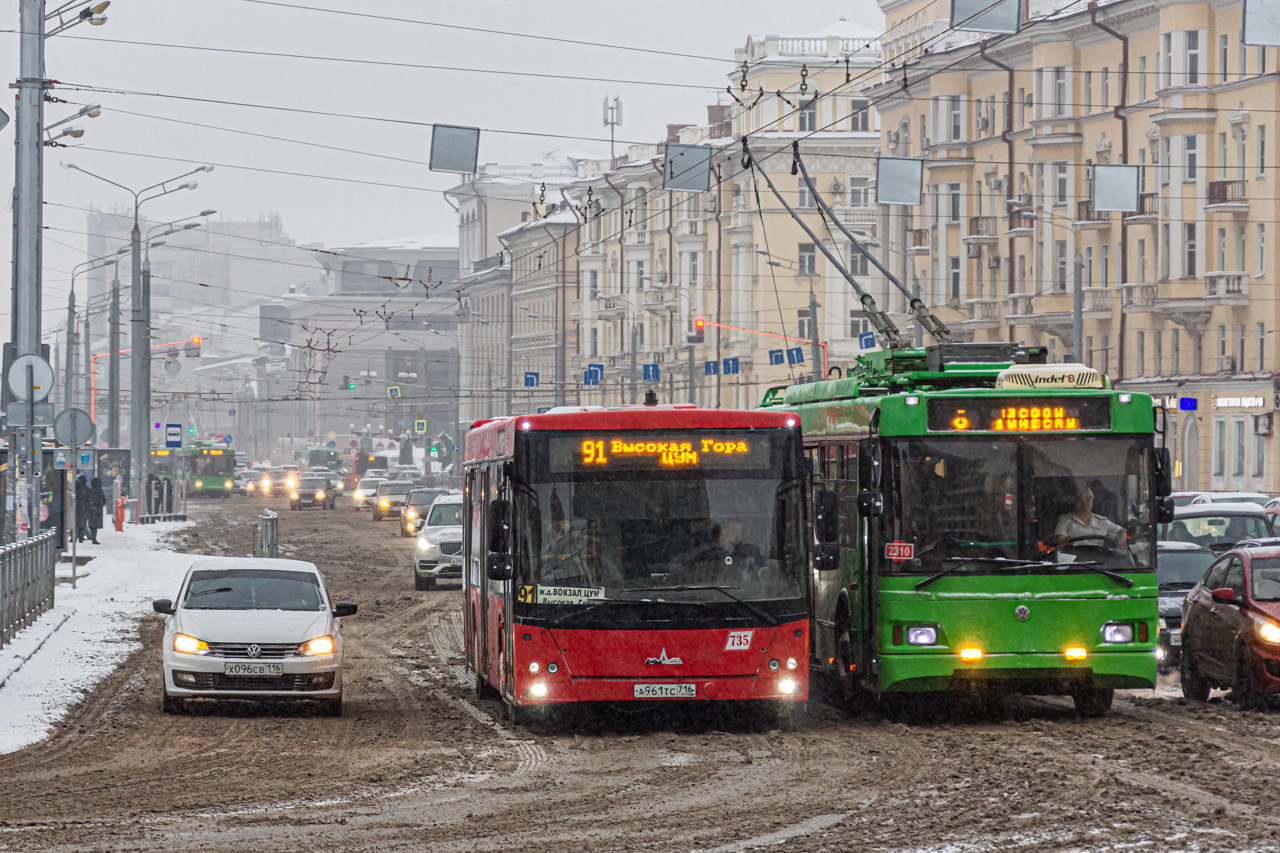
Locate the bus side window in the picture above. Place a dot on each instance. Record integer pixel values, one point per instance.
(847, 489)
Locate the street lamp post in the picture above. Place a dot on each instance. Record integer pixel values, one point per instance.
(139, 368)
(68, 389)
(1077, 297)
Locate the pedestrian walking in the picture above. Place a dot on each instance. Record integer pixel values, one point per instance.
(82, 508)
(97, 503)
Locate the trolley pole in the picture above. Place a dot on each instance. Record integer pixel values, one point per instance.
(815, 347)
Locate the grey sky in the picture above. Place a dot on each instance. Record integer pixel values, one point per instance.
(338, 213)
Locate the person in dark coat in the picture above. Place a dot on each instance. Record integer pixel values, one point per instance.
(82, 508)
(97, 503)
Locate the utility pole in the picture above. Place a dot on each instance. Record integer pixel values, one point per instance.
(1077, 313)
(113, 362)
(139, 431)
(69, 380)
(693, 388)
(633, 357)
(815, 348)
(87, 387)
(28, 184)
(144, 402)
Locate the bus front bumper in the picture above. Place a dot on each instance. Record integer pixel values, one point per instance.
(1021, 672)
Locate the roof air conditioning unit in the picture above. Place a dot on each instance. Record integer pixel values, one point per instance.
(1262, 424)
(836, 186)
(982, 122)
(973, 251)
(893, 137)
(1226, 364)
(993, 262)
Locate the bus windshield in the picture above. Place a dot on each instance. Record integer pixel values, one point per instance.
(661, 528)
(211, 465)
(983, 505)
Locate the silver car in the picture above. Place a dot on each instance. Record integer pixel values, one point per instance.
(437, 552)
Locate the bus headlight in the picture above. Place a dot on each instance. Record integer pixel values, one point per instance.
(922, 635)
(787, 685)
(538, 690)
(226, 484)
(1117, 632)
(199, 484)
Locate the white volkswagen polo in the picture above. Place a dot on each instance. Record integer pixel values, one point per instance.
(253, 629)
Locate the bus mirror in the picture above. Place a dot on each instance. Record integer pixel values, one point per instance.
(826, 522)
(499, 567)
(499, 526)
(826, 556)
(1163, 473)
(1164, 510)
(869, 464)
(870, 503)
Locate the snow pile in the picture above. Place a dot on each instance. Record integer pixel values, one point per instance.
(116, 589)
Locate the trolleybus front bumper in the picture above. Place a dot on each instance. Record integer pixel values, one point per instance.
(1021, 672)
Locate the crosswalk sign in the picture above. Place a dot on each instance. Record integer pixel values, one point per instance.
(419, 426)
(393, 392)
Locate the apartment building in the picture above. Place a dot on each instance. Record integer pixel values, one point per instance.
(1177, 295)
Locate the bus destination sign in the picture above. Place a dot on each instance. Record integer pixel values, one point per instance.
(662, 451)
(1007, 414)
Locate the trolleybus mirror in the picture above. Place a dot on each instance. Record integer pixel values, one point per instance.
(162, 605)
(1162, 473)
(869, 464)
(1164, 510)
(826, 522)
(499, 567)
(499, 526)
(826, 556)
(870, 503)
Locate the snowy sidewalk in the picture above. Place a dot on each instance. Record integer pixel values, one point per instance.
(55, 662)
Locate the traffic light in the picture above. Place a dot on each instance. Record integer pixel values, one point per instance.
(191, 430)
(192, 347)
(347, 383)
(434, 448)
(699, 332)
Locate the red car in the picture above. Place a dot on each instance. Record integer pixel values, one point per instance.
(1231, 628)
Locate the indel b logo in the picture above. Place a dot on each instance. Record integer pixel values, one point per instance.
(527, 594)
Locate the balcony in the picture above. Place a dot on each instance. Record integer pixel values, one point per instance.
(1148, 209)
(918, 241)
(1021, 304)
(858, 217)
(1227, 288)
(659, 300)
(1021, 224)
(982, 231)
(983, 314)
(1096, 302)
(610, 308)
(1137, 297)
(1089, 219)
(1227, 197)
(575, 310)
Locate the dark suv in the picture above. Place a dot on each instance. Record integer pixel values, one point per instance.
(390, 499)
(1231, 628)
(1179, 567)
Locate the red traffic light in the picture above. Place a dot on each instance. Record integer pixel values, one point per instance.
(195, 339)
(699, 324)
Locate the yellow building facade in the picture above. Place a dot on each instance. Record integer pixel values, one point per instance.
(1178, 297)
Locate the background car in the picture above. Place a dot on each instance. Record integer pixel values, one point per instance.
(312, 491)
(1217, 526)
(252, 628)
(390, 499)
(437, 551)
(1179, 567)
(1184, 498)
(365, 490)
(415, 509)
(1231, 628)
(1231, 498)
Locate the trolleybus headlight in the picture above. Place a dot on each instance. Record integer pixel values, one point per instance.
(922, 635)
(786, 685)
(1124, 398)
(226, 484)
(1269, 632)
(553, 667)
(1075, 653)
(773, 664)
(1117, 632)
(971, 655)
(792, 663)
(199, 484)
(533, 667)
(1161, 654)
(189, 645)
(538, 689)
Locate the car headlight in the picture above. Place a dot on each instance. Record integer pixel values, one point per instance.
(428, 544)
(293, 496)
(189, 645)
(226, 484)
(320, 495)
(410, 515)
(1269, 632)
(291, 482)
(317, 646)
(341, 487)
(384, 503)
(248, 487)
(922, 635)
(1117, 632)
(199, 484)
(358, 495)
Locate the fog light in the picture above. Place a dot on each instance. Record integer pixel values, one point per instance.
(786, 685)
(1075, 653)
(184, 678)
(971, 655)
(1117, 632)
(792, 663)
(553, 668)
(1161, 654)
(539, 690)
(533, 667)
(773, 664)
(922, 635)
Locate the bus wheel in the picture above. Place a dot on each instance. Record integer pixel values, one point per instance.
(1091, 702)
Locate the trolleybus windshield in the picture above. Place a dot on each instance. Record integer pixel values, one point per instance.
(694, 518)
(213, 463)
(995, 504)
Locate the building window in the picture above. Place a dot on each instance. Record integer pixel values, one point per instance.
(1088, 92)
(1106, 88)
(1197, 354)
(1240, 348)
(1061, 194)
(859, 115)
(1157, 357)
(1193, 57)
(1219, 447)
(1240, 253)
(1190, 174)
(1241, 55)
(1262, 149)
(1140, 355)
(1162, 251)
(808, 259)
(1106, 353)
(1163, 64)
(808, 116)
(1222, 248)
(957, 116)
(595, 341)
(1262, 249)
(1105, 260)
(859, 193)
(593, 283)
(1165, 158)
(1060, 255)
(1222, 61)
(1005, 112)
(1060, 98)
(805, 199)
(1022, 275)
(1142, 78)
(858, 324)
(803, 327)
(1237, 445)
(1259, 457)
(1088, 350)
(1022, 108)
(955, 202)
(1262, 347)
(1175, 352)
(953, 271)
(1142, 170)
(1088, 266)
(857, 263)
(1189, 250)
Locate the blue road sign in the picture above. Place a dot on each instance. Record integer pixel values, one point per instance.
(227, 438)
(231, 412)
(652, 373)
(711, 368)
(776, 357)
(730, 365)
(531, 379)
(173, 435)
(591, 376)
(598, 368)
(333, 444)
(866, 340)
(795, 355)
(393, 392)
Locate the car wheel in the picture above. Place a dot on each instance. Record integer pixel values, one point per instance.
(1194, 685)
(1245, 687)
(331, 707)
(1092, 702)
(421, 583)
(170, 705)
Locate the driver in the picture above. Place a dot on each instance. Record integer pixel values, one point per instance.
(1083, 522)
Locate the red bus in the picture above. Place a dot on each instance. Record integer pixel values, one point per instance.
(636, 555)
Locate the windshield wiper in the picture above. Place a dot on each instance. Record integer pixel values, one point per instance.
(211, 591)
(1178, 584)
(568, 617)
(960, 562)
(763, 614)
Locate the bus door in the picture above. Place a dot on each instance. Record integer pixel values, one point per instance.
(482, 600)
(473, 556)
(823, 463)
(871, 481)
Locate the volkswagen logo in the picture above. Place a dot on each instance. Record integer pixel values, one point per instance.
(1023, 613)
(254, 649)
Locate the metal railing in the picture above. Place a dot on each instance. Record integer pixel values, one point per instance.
(26, 582)
(1227, 192)
(267, 543)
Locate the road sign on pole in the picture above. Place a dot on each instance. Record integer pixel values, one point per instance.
(419, 426)
(393, 392)
(531, 379)
(73, 427)
(41, 377)
(173, 435)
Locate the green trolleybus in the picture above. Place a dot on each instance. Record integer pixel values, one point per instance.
(982, 520)
(207, 467)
